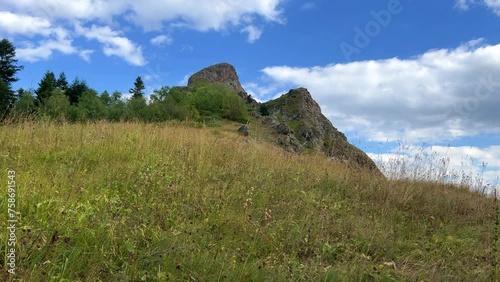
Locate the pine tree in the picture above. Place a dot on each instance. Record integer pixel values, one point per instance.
(8, 67)
(46, 87)
(138, 90)
(75, 90)
(8, 70)
(61, 82)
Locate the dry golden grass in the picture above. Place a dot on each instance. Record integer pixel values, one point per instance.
(156, 202)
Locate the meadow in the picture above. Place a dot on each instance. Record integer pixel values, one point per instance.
(184, 202)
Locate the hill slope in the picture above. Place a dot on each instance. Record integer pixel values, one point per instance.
(116, 202)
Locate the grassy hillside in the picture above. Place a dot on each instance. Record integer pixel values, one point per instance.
(135, 202)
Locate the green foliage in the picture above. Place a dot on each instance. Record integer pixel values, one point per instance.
(76, 90)
(165, 104)
(136, 109)
(25, 105)
(46, 87)
(169, 109)
(57, 106)
(218, 101)
(138, 90)
(181, 95)
(105, 98)
(264, 111)
(116, 107)
(91, 107)
(159, 95)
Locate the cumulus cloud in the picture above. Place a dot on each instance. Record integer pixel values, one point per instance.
(440, 95)
(59, 40)
(114, 44)
(53, 38)
(493, 5)
(253, 33)
(161, 40)
(11, 23)
(68, 10)
(203, 15)
(153, 15)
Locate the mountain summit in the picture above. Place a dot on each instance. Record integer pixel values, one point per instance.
(293, 121)
(297, 118)
(224, 74)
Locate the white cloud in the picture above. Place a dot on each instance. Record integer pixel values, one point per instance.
(203, 15)
(59, 41)
(69, 10)
(85, 55)
(114, 43)
(161, 40)
(152, 14)
(25, 25)
(260, 93)
(439, 95)
(253, 33)
(493, 5)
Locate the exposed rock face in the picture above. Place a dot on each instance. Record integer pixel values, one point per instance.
(224, 74)
(243, 130)
(297, 118)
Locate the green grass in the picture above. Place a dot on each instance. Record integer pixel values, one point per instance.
(157, 202)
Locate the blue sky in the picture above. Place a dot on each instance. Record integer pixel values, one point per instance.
(423, 72)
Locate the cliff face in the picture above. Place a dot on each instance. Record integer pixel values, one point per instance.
(297, 118)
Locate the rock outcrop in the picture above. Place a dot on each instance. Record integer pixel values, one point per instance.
(300, 125)
(243, 130)
(224, 74)
(295, 119)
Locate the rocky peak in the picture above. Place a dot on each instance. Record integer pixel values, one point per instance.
(309, 129)
(224, 74)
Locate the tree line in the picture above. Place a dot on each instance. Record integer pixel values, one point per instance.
(57, 99)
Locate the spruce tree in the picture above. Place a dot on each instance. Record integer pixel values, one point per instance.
(8, 63)
(46, 87)
(62, 82)
(8, 70)
(75, 90)
(138, 90)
